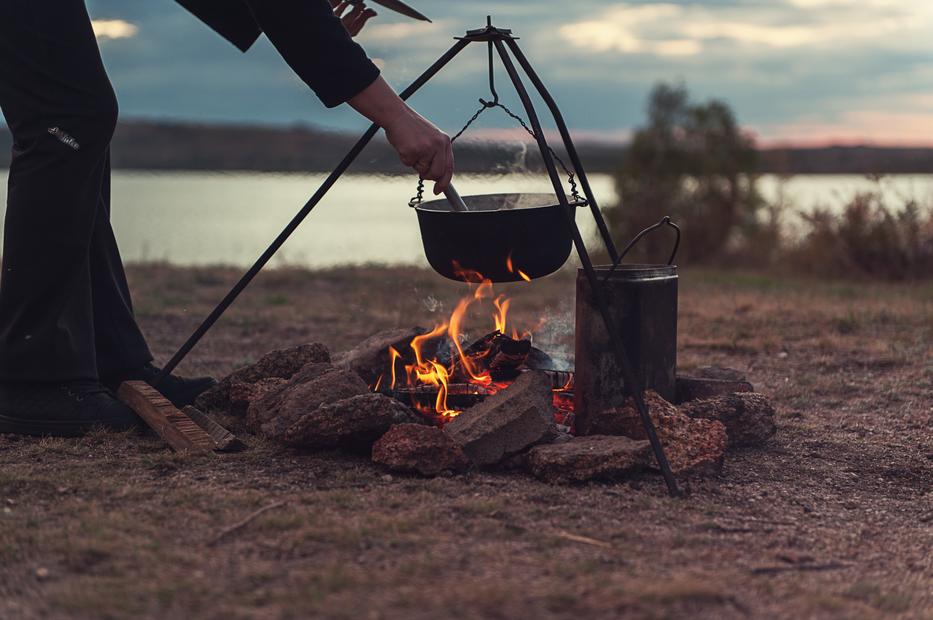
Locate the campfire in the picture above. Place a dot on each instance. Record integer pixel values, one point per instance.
(440, 373)
(435, 400)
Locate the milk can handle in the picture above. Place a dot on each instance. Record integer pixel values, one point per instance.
(665, 221)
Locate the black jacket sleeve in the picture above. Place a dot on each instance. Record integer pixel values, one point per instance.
(232, 19)
(305, 32)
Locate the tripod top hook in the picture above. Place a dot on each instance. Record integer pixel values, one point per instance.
(487, 33)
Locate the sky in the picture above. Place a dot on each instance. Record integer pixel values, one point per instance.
(806, 72)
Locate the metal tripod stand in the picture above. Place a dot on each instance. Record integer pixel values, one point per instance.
(502, 42)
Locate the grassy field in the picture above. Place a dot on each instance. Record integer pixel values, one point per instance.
(833, 518)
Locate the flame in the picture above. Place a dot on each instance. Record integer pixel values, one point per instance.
(427, 372)
(454, 331)
(417, 342)
(511, 267)
(467, 275)
(465, 365)
(394, 355)
(440, 405)
(502, 311)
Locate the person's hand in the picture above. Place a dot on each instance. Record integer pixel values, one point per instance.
(422, 146)
(417, 141)
(355, 19)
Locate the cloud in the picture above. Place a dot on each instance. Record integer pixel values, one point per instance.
(619, 30)
(114, 29)
(791, 69)
(687, 30)
(404, 31)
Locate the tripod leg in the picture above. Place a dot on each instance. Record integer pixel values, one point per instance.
(599, 297)
(568, 144)
(244, 281)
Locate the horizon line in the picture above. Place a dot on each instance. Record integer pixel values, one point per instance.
(589, 137)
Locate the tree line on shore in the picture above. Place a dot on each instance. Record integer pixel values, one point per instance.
(173, 145)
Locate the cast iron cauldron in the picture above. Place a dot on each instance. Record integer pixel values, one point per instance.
(531, 229)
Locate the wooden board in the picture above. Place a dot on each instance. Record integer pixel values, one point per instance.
(177, 429)
(224, 440)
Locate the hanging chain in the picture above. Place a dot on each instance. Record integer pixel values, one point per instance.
(485, 105)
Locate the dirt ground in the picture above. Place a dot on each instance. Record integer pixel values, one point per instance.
(832, 519)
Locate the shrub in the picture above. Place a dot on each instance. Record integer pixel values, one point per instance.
(869, 238)
(691, 162)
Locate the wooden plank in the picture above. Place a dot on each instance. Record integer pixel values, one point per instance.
(224, 440)
(177, 429)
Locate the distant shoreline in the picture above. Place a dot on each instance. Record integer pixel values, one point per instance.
(157, 145)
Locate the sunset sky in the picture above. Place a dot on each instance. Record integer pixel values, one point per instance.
(797, 71)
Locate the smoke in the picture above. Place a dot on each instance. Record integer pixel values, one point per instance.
(555, 335)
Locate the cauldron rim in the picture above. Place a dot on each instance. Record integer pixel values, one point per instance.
(548, 201)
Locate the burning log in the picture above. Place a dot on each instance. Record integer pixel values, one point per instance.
(368, 358)
(503, 357)
(423, 398)
(507, 422)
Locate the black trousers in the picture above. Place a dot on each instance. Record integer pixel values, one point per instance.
(65, 309)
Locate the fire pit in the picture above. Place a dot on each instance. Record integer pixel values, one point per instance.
(429, 401)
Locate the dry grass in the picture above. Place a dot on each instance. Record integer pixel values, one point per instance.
(115, 526)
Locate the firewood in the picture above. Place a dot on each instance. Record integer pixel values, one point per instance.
(177, 429)
(224, 440)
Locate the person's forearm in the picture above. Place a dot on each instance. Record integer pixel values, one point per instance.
(380, 104)
(417, 141)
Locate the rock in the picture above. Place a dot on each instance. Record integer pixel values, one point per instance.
(710, 382)
(416, 448)
(748, 417)
(370, 358)
(507, 422)
(242, 395)
(354, 423)
(691, 445)
(314, 385)
(279, 364)
(594, 457)
(625, 420)
(719, 373)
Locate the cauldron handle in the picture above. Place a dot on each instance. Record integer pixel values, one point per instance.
(666, 220)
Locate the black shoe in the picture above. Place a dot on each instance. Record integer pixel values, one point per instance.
(179, 390)
(61, 410)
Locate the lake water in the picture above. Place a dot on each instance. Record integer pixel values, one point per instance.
(197, 218)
